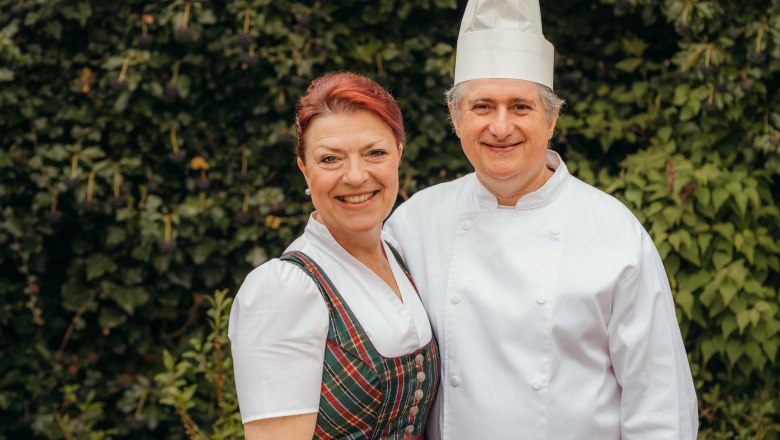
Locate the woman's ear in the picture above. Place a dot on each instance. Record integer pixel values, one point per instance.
(302, 167)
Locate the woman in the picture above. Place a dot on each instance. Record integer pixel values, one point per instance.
(331, 340)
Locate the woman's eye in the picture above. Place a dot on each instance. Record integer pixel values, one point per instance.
(328, 159)
(377, 153)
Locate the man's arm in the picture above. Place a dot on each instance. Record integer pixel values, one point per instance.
(648, 356)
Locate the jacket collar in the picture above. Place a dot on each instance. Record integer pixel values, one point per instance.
(548, 192)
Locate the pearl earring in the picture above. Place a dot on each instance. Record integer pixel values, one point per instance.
(307, 191)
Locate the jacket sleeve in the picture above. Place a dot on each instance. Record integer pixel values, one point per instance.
(278, 329)
(648, 356)
(391, 231)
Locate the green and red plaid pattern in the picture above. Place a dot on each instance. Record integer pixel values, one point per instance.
(365, 395)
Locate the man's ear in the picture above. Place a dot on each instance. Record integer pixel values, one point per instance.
(454, 118)
(553, 121)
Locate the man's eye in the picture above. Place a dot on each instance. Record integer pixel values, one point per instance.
(481, 107)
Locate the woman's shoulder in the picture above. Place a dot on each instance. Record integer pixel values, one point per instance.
(276, 280)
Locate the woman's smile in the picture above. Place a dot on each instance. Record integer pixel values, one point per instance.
(356, 199)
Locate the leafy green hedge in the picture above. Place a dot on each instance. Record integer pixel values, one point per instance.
(146, 161)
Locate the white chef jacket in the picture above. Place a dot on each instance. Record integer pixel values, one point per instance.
(278, 324)
(554, 317)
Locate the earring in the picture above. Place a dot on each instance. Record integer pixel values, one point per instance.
(307, 191)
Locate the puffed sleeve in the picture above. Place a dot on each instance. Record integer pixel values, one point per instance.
(649, 360)
(278, 329)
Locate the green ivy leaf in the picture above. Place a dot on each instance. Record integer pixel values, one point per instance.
(685, 300)
(719, 197)
(6, 75)
(770, 348)
(728, 291)
(709, 347)
(110, 317)
(743, 319)
(753, 351)
(734, 350)
(629, 64)
(728, 325)
(98, 265)
(127, 298)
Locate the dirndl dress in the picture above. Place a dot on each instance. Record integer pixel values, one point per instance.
(365, 395)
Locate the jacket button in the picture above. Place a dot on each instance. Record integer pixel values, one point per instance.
(537, 384)
(420, 377)
(541, 300)
(418, 394)
(414, 410)
(454, 381)
(409, 429)
(455, 298)
(555, 230)
(419, 359)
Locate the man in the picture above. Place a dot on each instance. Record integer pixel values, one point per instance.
(549, 301)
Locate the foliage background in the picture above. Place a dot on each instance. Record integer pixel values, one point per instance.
(112, 238)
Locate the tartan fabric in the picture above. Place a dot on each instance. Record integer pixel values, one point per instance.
(365, 395)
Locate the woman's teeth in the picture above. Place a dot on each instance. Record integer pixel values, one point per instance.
(356, 199)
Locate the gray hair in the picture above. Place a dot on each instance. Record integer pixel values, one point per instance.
(552, 102)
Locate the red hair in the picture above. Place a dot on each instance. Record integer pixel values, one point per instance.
(346, 92)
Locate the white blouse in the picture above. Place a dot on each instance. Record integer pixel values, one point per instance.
(279, 324)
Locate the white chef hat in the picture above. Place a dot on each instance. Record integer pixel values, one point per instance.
(503, 39)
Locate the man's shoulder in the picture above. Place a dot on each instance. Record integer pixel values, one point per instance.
(434, 197)
(597, 203)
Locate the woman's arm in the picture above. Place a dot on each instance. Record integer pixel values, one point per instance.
(299, 427)
(278, 330)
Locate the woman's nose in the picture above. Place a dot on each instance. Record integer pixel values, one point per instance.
(356, 173)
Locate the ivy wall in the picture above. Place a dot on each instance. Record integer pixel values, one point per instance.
(146, 160)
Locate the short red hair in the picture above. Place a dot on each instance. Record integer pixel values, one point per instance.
(346, 92)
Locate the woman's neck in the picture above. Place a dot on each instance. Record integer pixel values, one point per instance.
(365, 247)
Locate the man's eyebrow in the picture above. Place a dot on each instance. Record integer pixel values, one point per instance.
(493, 101)
(476, 100)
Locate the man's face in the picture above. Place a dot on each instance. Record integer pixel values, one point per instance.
(504, 132)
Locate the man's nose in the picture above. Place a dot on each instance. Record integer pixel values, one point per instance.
(500, 126)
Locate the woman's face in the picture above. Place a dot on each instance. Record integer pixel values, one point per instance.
(351, 169)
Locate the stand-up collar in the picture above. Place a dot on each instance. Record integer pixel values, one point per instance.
(540, 197)
(319, 235)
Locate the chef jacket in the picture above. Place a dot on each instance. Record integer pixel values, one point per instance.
(278, 324)
(554, 317)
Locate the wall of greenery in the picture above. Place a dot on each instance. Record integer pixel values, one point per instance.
(146, 161)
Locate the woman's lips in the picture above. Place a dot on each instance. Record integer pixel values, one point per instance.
(358, 198)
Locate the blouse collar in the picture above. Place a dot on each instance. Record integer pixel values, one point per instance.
(318, 234)
(540, 197)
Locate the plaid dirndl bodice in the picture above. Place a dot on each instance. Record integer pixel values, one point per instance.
(365, 395)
